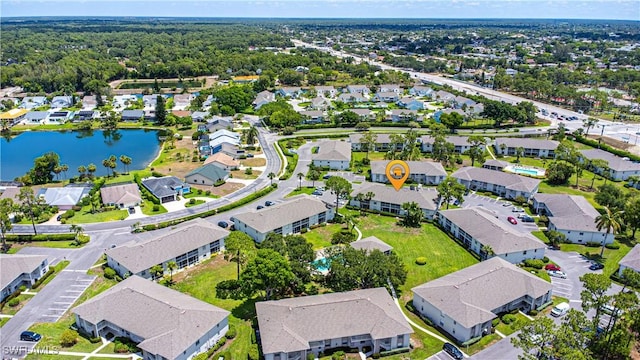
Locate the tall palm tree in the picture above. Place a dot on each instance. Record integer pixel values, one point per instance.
(519, 153)
(589, 123)
(271, 176)
(486, 252)
(126, 161)
(171, 266)
(91, 168)
(107, 165)
(314, 175)
(76, 229)
(611, 221)
(64, 168)
(82, 170)
(251, 135)
(156, 271)
(300, 177)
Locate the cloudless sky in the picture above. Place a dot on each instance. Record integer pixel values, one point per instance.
(545, 9)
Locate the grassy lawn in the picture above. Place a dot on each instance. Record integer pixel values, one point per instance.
(196, 202)
(147, 208)
(85, 216)
(483, 343)
(254, 162)
(12, 310)
(199, 193)
(16, 246)
(3, 321)
(305, 190)
(240, 174)
(521, 321)
(320, 237)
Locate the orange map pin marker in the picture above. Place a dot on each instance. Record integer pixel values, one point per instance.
(397, 172)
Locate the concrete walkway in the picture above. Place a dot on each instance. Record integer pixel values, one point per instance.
(488, 146)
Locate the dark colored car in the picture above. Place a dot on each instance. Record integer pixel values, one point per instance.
(30, 336)
(269, 203)
(132, 210)
(596, 266)
(259, 207)
(453, 351)
(59, 217)
(326, 176)
(316, 192)
(249, 155)
(223, 224)
(552, 267)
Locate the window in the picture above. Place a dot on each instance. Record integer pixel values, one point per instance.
(524, 252)
(197, 342)
(214, 247)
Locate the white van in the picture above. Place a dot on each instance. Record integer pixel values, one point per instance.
(560, 309)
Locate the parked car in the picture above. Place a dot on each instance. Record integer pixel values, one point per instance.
(596, 266)
(512, 220)
(59, 217)
(30, 336)
(517, 210)
(249, 155)
(269, 203)
(316, 192)
(552, 267)
(223, 224)
(505, 204)
(560, 309)
(557, 273)
(326, 176)
(132, 210)
(259, 207)
(526, 218)
(453, 351)
(610, 309)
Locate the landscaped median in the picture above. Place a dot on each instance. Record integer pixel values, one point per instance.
(64, 241)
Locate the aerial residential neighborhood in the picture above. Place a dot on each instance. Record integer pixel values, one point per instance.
(331, 189)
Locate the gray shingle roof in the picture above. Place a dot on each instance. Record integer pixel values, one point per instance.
(455, 140)
(616, 163)
(425, 198)
(371, 243)
(496, 163)
(509, 181)
(131, 114)
(120, 194)
(12, 266)
(333, 150)
(168, 320)
(138, 256)
(299, 207)
(36, 115)
(632, 259)
(380, 138)
(164, 186)
(469, 295)
(64, 196)
(209, 171)
(290, 324)
(528, 143)
(570, 212)
(484, 227)
(428, 168)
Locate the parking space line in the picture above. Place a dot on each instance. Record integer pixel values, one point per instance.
(68, 297)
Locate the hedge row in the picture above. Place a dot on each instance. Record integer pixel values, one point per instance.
(40, 237)
(221, 209)
(44, 277)
(292, 160)
(607, 148)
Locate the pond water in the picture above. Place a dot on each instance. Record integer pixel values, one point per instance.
(77, 148)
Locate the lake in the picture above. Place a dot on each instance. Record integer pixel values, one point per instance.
(77, 148)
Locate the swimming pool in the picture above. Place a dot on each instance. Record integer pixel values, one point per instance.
(322, 264)
(525, 170)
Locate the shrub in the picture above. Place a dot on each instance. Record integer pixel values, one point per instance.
(109, 273)
(231, 333)
(533, 312)
(534, 263)
(495, 322)
(95, 340)
(311, 356)
(155, 208)
(248, 171)
(220, 182)
(508, 318)
(545, 260)
(614, 245)
(14, 302)
(592, 244)
(303, 230)
(337, 355)
(254, 354)
(208, 192)
(68, 338)
(421, 260)
(228, 289)
(376, 356)
(192, 201)
(42, 279)
(342, 237)
(68, 214)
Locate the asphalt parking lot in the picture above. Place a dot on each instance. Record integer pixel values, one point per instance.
(502, 212)
(442, 355)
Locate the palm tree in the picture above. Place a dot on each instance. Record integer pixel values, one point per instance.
(112, 164)
(314, 175)
(251, 135)
(611, 221)
(271, 176)
(368, 196)
(171, 266)
(589, 123)
(57, 170)
(106, 165)
(519, 152)
(486, 252)
(91, 168)
(300, 177)
(64, 168)
(156, 271)
(76, 229)
(126, 161)
(81, 170)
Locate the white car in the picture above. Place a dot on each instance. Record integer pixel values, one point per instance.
(557, 273)
(517, 210)
(560, 309)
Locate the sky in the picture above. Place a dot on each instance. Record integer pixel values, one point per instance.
(545, 9)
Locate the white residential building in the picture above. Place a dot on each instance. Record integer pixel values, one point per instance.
(386, 199)
(20, 270)
(509, 186)
(421, 172)
(532, 147)
(333, 154)
(619, 168)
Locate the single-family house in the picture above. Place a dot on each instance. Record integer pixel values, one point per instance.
(358, 319)
(18, 270)
(290, 92)
(13, 116)
(386, 97)
(216, 144)
(36, 117)
(206, 175)
(630, 261)
(477, 228)
(332, 154)
(500, 183)
(90, 102)
(497, 165)
(438, 114)
(464, 303)
(164, 323)
(59, 117)
(199, 116)
(84, 115)
(182, 101)
(371, 243)
(208, 101)
(539, 148)
(232, 150)
(390, 88)
(460, 143)
(263, 98)
(65, 197)
(358, 89)
(222, 161)
(61, 102)
(166, 188)
(181, 113)
(404, 115)
(320, 103)
(150, 101)
(31, 102)
(383, 142)
(289, 217)
(216, 123)
(444, 96)
(121, 195)
(387, 200)
(364, 114)
(351, 98)
(187, 245)
(421, 172)
(312, 116)
(326, 91)
(461, 102)
(571, 215)
(225, 133)
(420, 90)
(619, 168)
(411, 103)
(132, 115)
